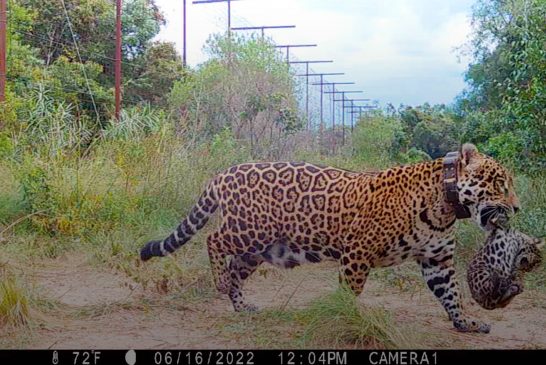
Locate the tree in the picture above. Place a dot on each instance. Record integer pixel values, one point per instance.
(431, 129)
(244, 86)
(505, 104)
(154, 74)
(93, 27)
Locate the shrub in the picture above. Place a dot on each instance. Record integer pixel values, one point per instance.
(375, 140)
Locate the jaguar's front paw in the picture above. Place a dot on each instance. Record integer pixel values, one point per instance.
(471, 325)
(248, 308)
(223, 288)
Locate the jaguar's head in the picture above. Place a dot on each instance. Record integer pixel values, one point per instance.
(486, 188)
(529, 255)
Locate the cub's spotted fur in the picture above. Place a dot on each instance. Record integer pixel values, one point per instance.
(495, 274)
(290, 213)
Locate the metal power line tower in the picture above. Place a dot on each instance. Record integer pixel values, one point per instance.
(3, 46)
(321, 83)
(342, 100)
(333, 92)
(264, 27)
(306, 75)
(219, 1)
(288, 46)
(353, 111)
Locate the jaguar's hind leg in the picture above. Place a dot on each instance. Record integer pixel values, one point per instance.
(240, 268)
(218, 264)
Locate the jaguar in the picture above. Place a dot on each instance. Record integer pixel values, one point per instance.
(495, 274)
(287, 214)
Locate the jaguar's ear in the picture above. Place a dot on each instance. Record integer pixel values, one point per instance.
(470, 157)
(540, 243)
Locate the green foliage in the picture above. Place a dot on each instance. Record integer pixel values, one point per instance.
(51, 125)
(246, 87)
(6, 146)
(504, 105)
(14, 301)
(414, 155)
(48, 31)
(376, 140)
(225, 150)
(11, 200)
(532, 193)
(433, 130)
(136, 123)
(140, 21)
(41, 34)
(154, 74)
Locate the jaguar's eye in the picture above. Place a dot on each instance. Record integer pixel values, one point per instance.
(502, 187)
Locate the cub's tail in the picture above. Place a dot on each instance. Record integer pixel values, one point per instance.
(198, 217)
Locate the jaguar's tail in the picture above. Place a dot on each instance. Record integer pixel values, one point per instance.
(198, 217)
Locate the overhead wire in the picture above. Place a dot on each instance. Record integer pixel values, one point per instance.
(94, 54)
(80, 59)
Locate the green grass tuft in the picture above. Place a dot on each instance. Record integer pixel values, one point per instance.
(14, 302)
(338, 321)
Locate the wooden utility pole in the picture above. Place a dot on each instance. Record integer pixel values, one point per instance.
(184, 37)
(118, 60)
(3, 42)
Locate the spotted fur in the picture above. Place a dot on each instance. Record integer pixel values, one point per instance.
(495, 274)
(287, 214)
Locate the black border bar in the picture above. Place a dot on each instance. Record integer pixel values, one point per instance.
(274, 357)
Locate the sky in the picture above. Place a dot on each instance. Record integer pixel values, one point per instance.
(396, 51)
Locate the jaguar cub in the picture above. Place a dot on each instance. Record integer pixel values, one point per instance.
(495, 274)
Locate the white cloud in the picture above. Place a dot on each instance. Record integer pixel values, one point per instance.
(399, 51)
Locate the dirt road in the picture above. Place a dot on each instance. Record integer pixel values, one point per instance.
(99, 308)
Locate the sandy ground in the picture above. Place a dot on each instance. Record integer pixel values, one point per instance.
(111, 313)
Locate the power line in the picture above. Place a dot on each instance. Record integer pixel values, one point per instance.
(219, 1)
(321, 83)
(68, 45)
(79, 57)
(343, 109)
(306, 75)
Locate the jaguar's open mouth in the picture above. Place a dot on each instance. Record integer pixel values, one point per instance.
(493, 216)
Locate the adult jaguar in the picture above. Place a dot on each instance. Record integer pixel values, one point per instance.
(290, 213)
